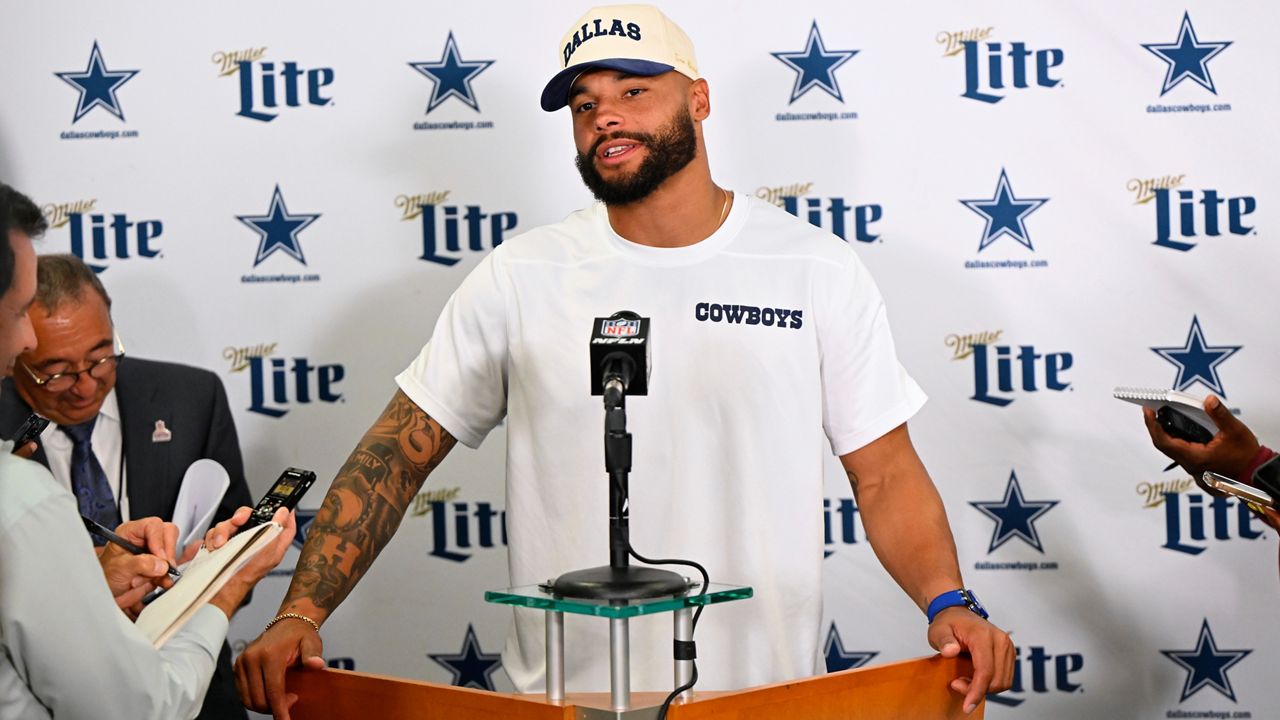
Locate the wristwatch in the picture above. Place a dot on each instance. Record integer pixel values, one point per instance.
(956, 598)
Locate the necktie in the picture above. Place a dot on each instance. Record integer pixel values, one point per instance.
(88, 481)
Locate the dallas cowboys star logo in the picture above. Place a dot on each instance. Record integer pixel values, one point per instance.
(470, 666)
(305, 519)
(815, 66)
(97, 85)
(451, 76)
(840, 659)
(1206, 665)
(1197, 361)
(1187, 57)
(1005, 214)
(1015, 516)
(278, 230)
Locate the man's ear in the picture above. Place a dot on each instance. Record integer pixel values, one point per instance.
(699, 100)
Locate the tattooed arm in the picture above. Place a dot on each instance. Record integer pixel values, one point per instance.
(364, 506)
(360, 513)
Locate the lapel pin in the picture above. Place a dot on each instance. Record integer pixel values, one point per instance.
(161, 433)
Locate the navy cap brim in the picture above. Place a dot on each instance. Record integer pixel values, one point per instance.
(556, 94)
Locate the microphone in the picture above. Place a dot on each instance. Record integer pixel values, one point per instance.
(619, 367)
(620, 356)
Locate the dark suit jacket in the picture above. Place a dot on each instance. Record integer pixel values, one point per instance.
(193, 405)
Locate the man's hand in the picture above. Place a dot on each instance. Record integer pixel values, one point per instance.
(131, 577)
(229, 599)
(956, 630)
(232, 595)
(1228, 453)
(260, 668)
(26, 450)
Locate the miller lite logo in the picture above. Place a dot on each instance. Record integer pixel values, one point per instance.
(99, 237)
(620, 328)
(450, 230)
(271, 391)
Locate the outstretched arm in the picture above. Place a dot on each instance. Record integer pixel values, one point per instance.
(365, 505)
(359, 515)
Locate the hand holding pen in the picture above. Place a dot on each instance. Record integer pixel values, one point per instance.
(138, 558)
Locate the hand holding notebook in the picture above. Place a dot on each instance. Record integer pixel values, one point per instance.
(222, 573)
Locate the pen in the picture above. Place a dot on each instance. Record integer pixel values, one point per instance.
(109, 536)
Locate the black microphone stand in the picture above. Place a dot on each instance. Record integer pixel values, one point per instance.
(618, 580)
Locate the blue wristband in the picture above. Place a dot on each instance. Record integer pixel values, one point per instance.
(956, 598)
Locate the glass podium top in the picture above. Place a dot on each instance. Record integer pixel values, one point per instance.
(540, 597)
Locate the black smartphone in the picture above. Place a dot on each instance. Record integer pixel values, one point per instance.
(1182, 427)
(29, 430)
(288, 489)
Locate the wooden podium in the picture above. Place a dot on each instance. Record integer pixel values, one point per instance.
(894, 691)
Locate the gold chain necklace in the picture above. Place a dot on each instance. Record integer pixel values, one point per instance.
(724, 209)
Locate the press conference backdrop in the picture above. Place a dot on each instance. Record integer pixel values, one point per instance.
(1055, 199)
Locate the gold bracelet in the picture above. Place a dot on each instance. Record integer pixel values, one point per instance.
(296, 616)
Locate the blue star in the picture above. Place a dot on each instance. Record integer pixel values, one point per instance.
(1005, 214)
(1014, 516)
(1196, 361)
(451, 76)
(815, 66)
(838, 658)
(278, 229)
(1187, 57)
(305, 519)
(471, 667)
(97, 85)
(1206, 665)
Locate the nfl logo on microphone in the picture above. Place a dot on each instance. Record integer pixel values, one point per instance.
(620, 328)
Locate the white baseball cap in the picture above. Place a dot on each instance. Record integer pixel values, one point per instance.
(636, 39)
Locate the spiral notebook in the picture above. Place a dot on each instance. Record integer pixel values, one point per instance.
(1156, 398)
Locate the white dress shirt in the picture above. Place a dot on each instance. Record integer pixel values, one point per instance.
(66, 650)
(108, 446)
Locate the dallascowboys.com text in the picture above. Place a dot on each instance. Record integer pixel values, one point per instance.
(1016, 264)
(279, 278)
(454, 125)
(1193, 107)
(984, 565)
(98, 134)
(786, 116)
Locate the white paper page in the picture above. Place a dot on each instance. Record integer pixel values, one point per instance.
(203, 486)
(1154, 398)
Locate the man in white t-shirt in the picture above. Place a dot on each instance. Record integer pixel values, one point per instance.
(767, 334)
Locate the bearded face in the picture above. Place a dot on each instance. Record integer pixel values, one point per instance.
(670, 149)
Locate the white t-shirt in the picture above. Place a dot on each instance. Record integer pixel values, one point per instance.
(762, 336)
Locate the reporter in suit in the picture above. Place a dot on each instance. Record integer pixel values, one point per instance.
(141, 422)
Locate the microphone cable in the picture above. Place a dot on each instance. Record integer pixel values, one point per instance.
(682, 650)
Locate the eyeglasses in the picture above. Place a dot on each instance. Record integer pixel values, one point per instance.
(58, 382)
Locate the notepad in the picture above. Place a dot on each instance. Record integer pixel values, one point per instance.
(1155, 398)
(203, 578)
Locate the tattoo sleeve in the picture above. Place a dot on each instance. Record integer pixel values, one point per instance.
(364, 506)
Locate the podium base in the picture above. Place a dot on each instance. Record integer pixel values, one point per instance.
(624, 583)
